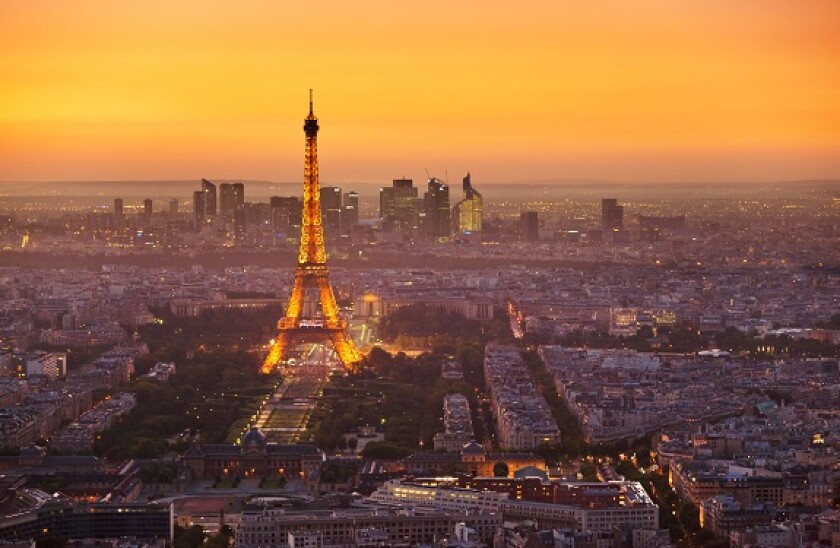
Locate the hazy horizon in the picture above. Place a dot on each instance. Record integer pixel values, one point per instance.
(103, 192)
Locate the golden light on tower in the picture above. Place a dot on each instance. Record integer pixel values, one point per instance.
(312, 272)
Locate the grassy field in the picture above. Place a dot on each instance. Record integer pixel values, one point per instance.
(285, 418)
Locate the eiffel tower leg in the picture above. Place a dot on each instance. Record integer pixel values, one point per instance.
(275, 355)
(296, 299)
(329, 308)
(346, 350)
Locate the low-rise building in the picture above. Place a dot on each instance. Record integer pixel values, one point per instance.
(722, 515)
(254, 458)
(457, 424)
(373, 527)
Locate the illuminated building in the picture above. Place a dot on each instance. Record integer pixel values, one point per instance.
(612, 215)
(285, 213)
(577, 505)
(210, 200)
(331, 203)
(52, 365)
(240, 226)
(55, 518)
(147, 208)
(350, 213)
(254, 457)
(437, 222)
(363, 527)
(312, 274)
(468, 213)
(204, 203)
(231, 198)
(398, 206)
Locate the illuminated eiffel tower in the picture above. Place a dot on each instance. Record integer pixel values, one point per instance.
(312, 273)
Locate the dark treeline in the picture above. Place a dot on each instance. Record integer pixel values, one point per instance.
(209, 392)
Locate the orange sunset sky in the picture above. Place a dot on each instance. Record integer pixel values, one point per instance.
(624, 90)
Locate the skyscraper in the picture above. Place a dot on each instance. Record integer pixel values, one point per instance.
(210, 200)
(118, 208)
(173, 206)
(530, 225)
(204, 203)
(231, 198)
(199, 209)
(467, 214)
(398, 206)
(350, 213)
(331, 205)
(285, 212)
(612, 215)
(240, 225)
(437, 221)
(147, 208)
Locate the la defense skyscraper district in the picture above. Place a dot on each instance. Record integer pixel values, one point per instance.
(312, 274)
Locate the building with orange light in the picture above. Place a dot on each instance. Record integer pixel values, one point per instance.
(255, 457)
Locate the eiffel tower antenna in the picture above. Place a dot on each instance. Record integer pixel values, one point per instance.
(312, 272)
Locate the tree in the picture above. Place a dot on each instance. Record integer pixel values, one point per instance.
(192, 537)
(588, 471)
(148, 472)
(353, 443)
(166, 475)
(383, 450)
(501, 470)
(689, 516)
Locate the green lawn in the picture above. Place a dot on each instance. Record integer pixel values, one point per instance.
(285, 418)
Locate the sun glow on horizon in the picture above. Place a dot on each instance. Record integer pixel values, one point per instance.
(651, 90)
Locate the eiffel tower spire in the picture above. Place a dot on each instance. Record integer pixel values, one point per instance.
(312, 272)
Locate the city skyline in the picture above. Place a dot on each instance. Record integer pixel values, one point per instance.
(654, 92)
(656, 368)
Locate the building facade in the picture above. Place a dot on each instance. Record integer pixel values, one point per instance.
(254, 458)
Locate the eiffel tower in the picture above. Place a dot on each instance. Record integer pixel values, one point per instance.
(312, 273)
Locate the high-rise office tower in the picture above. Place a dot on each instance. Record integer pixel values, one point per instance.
(147, 208)
(118, 208)
(399, 206)
(285, 213)
(331, 206)
(240, 225)
(173, 206)
(231, 198)
(612, 215)
(467, 214)
(437, 221)
(256, 213)
(199, 209)
(350, 213)
(210, 200)
(530, 225)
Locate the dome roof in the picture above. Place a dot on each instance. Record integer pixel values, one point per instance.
(254, 438)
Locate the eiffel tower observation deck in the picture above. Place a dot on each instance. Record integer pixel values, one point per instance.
(312, 274)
